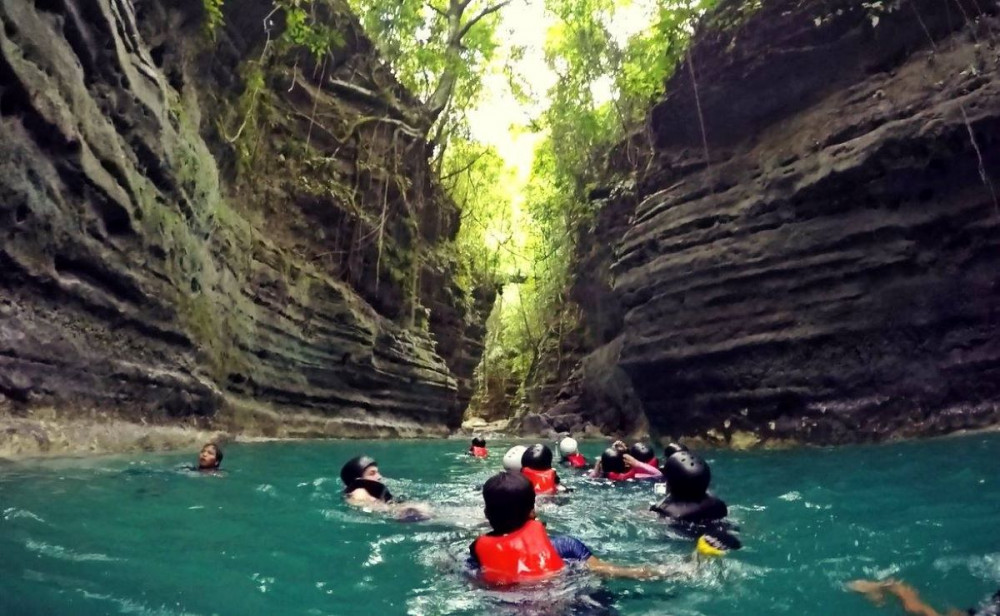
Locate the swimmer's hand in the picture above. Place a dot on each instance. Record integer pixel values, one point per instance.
(620, 446)
(873, 590)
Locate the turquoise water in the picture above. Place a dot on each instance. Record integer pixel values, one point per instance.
(135, 535)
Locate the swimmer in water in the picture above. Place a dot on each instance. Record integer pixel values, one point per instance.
(210, 457)
(363, 487)
(912, 603)
(570, 454)
(618, 466)
(478, 448)
(520, 550)
(536, 465)
(512, 459)
(689, 506)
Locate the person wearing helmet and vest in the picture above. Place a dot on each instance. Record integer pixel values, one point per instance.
(570, 455)
(691, 508)
(520, 550)
(619, 466)
(363, 487)
(536, 465)
(478, 448)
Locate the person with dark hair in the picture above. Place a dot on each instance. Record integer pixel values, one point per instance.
(210, 457)
(644, 453)
(363, 486)
(911, 602)
(520, 550)
(536, 465)
(478, 448)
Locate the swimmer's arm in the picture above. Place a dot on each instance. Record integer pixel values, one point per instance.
(907, 595)
(596, 472)
(648, 470)
(607, 569)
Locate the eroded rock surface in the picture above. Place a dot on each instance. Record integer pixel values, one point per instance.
(829, 273)
(281, 296)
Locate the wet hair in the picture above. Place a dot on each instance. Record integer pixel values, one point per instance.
(510, 499)
(479, 442)
(218, 452)
(354, 468)
(611, 461)
(537, 457)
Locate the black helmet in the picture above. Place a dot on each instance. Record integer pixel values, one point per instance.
(687, 476)
(642, 452)
(611, 461)
(479, 442)
(673, 448)
(354, 468)
(537, 457)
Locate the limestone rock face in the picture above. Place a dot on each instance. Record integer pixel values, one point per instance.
(197, 230)
(820, 263)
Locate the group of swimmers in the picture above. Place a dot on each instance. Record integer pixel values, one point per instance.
(519, 549)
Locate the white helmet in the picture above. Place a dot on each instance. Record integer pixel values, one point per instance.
(567, 446)
(512, 459)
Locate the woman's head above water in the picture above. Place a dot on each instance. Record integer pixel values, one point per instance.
(210, 457)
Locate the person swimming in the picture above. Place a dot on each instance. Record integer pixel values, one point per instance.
(363, 487)
(689, 506)
(478, 448)
(570, 455)
(619, 466)
(520, 550)
(644, 453)
(536, 465)
(512, 459)
(209, 458)
(875, 592)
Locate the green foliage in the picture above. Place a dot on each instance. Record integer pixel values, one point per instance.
(304, 30)
(213, 15)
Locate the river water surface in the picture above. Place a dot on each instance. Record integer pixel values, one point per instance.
(138, 535)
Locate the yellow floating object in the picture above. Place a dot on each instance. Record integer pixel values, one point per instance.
(706, 548)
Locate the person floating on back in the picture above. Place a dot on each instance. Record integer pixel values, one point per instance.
(570, 454)
(536, 465)
(363, 487)
(478, 448)
(618, 466)
(210, 457)
(520, 550)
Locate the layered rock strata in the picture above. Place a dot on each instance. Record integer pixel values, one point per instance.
(814, 252)
(138, 282)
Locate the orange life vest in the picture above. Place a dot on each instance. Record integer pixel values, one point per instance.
(543, 481)
(576, 460)
(525, 555)
(479, 452)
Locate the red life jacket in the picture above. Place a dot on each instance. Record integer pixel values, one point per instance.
(543, 481)
(576, 460)
(524, 555)
(630, 474)
(479, 452)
